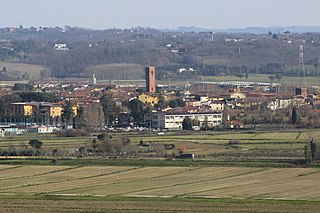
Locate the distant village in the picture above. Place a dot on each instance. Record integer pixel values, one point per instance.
(162, 108)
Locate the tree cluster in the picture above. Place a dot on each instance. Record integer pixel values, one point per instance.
(91, 50)
(90, 117)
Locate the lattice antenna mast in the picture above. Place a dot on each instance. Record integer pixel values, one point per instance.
(301, 63)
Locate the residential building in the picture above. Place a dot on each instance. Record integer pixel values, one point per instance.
(173, 120)
(36, 108)
(24, 109)
(217, 105)
(148, 99)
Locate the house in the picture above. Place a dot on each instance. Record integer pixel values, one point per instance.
(148, 99)
(217, 105)
(173, 120)
(193, 103)
(237, 95)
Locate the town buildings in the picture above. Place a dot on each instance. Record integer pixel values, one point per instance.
(174, 120)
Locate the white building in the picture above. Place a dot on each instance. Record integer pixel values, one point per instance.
(173, 120)
(40, 129)
(61, 47)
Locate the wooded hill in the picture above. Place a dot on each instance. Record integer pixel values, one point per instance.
(110, 52)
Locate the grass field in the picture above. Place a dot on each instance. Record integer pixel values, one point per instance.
(251, 78)
(198, 143)
(33, 71)
(185, 182)
(153, 189)
(232, 181)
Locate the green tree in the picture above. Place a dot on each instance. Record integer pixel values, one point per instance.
(136, 110)
(294, 116)
(22, 87)
(278, 77)
(161, 103)
(110, 109)
(272, 78)
(180, 102)
(240, 75)
(172, 104)
(36, 144)
(90, 117)
(67, 113)
(187, 124)
(205, 123)
(37, 96)
(275, 36)
(312, 151)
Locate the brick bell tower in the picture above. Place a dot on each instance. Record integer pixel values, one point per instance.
(151, 79)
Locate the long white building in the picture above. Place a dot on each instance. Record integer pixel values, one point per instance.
(173, 120)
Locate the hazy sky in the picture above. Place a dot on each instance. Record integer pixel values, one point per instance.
(212, 14)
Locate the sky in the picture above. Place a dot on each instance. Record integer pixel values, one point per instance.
(160, 14)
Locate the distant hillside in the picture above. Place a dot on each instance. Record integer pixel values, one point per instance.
(21, 71)
(255, 30)
(116, 71)
(211, 54)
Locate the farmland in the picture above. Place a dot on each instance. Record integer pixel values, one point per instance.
(259, 173)
(159, 188)
(29, 71)
(197, 143)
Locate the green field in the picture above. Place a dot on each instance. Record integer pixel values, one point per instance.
(262, 172)
(172, 189)
(251, 78)
(281, 144)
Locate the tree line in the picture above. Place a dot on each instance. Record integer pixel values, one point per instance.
(168, 51)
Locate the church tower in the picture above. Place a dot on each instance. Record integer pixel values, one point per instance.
(151, 79)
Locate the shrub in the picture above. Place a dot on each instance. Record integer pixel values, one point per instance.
(73, 133)
(36, 144)
(234, 142)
